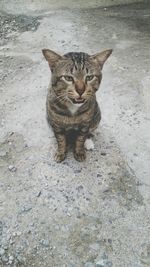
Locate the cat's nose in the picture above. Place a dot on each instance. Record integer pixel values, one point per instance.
(80, 87)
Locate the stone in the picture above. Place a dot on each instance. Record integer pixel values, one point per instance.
(100, 264)
(20, 259)
(103, 153)
(39, 193)
(11, 259)
(104, 263)
(4, 258)
(89, 264)
(2, 251)
(95, 246)
(12, 168)
(45, 242)
(26, 208)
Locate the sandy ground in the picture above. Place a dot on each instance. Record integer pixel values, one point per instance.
(91, 214)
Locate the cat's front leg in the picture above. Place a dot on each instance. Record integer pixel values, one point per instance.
(79, 151)
(62, 147)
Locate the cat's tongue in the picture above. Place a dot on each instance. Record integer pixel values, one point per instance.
(79, 100)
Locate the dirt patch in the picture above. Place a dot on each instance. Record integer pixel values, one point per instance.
(12, 25)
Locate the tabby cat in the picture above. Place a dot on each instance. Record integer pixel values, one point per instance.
(71, 100)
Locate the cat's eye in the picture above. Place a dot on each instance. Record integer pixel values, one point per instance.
(89, 78)
(68, 78)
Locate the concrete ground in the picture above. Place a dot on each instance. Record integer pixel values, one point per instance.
(75, 214)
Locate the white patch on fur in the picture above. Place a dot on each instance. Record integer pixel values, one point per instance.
(89, 145)
(74, 107)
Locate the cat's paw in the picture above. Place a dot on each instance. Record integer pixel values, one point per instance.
(59, 157)
(80, 155)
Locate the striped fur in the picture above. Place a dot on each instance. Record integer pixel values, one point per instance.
(71, 101)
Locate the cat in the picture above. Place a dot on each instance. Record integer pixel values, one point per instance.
(71, 101)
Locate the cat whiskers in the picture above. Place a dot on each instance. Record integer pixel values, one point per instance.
(88, 97)
(60, 98)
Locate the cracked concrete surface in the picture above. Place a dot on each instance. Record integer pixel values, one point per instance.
(74, 214)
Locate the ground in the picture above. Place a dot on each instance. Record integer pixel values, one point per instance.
(90, 214)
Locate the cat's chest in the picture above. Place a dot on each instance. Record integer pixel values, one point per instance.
(74, 107)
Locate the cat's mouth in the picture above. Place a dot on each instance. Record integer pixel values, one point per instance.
(78, 100)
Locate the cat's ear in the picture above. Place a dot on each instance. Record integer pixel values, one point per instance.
(102, 56)
(51, 57)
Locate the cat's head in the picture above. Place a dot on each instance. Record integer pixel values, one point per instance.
(76, 76)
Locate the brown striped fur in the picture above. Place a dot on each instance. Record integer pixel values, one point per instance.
(71, 101)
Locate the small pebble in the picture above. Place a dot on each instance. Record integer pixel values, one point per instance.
(4, 258)
(79, 188)
(77, 171)
(2, 252)
(12, 168)
(11, 258)
(45, 242)
(89, 264)
(26, 209)
(39, 193)
(79, 215)
(95, 246)
(103, 153)
(11, 242)
(57, 227)
(100, 264)
(20, 259)
(109, 241)
(104, 263)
